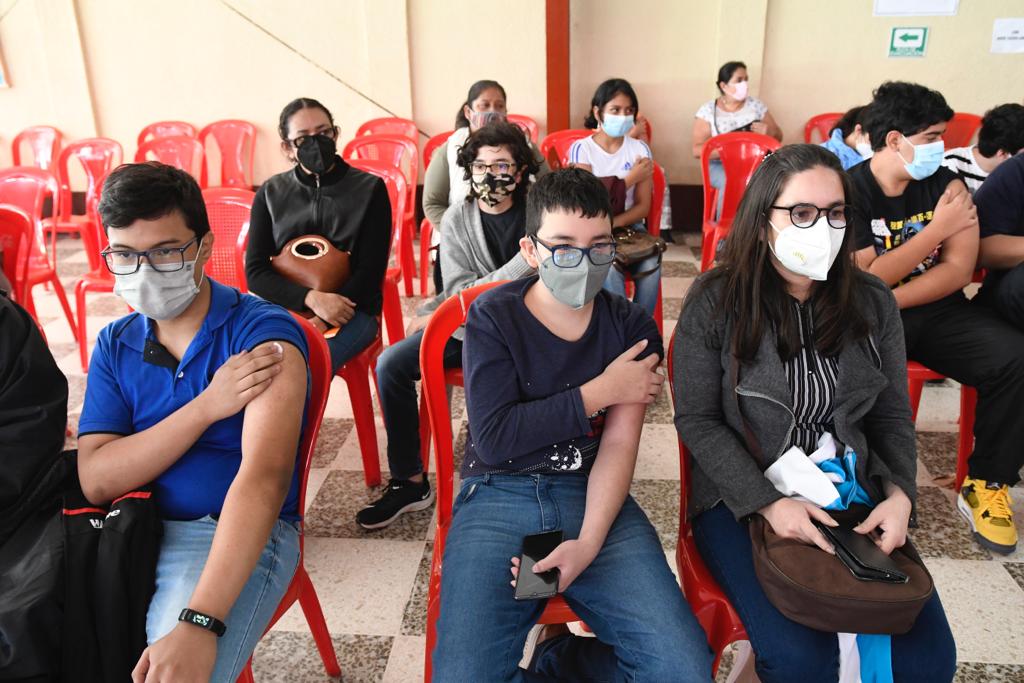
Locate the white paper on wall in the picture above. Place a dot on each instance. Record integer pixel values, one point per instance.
(916, 8)
(1008, 35)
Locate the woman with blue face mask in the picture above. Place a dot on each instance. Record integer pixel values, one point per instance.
(612, 155)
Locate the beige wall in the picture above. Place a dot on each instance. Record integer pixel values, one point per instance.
(110, 67)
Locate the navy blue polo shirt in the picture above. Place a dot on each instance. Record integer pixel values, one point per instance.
(134, 383)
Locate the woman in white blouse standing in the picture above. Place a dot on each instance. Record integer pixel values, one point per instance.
(732, 111)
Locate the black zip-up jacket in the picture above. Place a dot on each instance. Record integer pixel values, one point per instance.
(349, 207)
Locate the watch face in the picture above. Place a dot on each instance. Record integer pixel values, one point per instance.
(200, 620)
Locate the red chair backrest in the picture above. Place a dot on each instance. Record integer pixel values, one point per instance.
(527, 124)
(395, 150)
(394, 179)
(432, 144)
(179, 151)
(823, 124)
(741, 154)
(555, 146)
(27, 188)
(320, 376)
(389, 125)
(236, 143)
(44, 141)
(98, 157)
(961, 129)
(165, 129)
(16, 235)
(228, 209)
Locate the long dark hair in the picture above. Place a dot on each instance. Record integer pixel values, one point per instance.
(475, 91)
(497, 134)
(605, 93)
(294, 106)
(754, 292)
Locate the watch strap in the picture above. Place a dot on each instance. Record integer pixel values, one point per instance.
(204, 621)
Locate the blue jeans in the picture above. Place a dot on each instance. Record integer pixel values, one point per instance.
(183, 552)
(353, 337)
(716, 173)
(645, 289)
(628, 595)
(398, 370)
(786, 651)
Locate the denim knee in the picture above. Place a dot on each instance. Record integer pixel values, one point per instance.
(398, 363)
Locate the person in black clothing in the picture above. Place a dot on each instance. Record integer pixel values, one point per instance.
(324, 196)
(919, 233)
(1001, 215)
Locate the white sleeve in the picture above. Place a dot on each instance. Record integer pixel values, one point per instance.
(705, 112)
(759, 107)
(579, 153)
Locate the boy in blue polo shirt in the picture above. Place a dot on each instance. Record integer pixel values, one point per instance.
(200, 393)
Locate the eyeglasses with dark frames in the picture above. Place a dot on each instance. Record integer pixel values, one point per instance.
(162, 259)
(568, 256)
(497, 168)
(330, 133)
(805, 215)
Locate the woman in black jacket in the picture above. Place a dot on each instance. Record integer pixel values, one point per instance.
(821, 363)
(322, 195)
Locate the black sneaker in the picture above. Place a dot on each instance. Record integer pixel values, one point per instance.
(399, 497)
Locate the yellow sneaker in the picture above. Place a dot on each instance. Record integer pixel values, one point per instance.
(986, 505)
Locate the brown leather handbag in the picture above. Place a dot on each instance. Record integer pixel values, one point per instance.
(816, 589)
(312, 261)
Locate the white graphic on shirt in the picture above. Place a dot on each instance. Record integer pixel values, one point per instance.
(569, 461)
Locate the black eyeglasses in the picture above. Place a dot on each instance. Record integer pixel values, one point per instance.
(568, 256)
(331, 134)
(163, 259)
(498, 168)
(806, 215)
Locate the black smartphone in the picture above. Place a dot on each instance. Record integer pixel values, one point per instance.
(861, 556)
(530, 586)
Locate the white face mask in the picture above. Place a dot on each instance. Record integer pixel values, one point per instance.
(739, 90)
(808, 251)
(158, 295)
(864, 149)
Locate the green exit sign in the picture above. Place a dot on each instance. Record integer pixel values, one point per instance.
(908, 41)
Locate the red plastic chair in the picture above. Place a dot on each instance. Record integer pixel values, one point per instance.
(16, 235)
(653, 224)
(389, 125)
(555, 146)
(917, 375)
(27, 188)
(165, 129)
(961, 129)
(446, 319)
(527, 124)
(228, 209)
(98, 157)
(823, 124)
(713, 610)
(741, 154)
(426, 227)
(98, 279)
(301, 589)
(395, 181)
(44, 141)
(402, 153)
(179, 151)
(236, 143)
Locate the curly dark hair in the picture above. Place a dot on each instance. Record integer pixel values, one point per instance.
(501, 134)
(1002, 128)
(148, 191)
(905, 107)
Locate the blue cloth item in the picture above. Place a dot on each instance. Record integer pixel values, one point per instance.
(134, 383)
(848, 156)
(786, 651)
(183, 552)
(875, 658)
(843, 473)
(523, 383)
(628, 595)
(352, 338)
(716, 174)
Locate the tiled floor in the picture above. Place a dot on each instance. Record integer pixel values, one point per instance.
(372, 585)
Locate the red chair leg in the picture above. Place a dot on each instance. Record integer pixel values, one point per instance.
(392, 313)
(405, 256)
(659, 313)
(83, 339)
(914, 388)
(356, 376)
(965, 445)
(707, 250)
(317, 624)
(58, 289)
(424, 436)
(426, 233)
(246, 675)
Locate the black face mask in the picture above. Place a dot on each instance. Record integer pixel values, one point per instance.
(316, 153)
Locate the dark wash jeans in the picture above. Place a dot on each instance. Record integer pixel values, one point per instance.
(398, 370)
(786, 651)
(628, 595)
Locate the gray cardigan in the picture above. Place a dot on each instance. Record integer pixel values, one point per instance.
(871, 411)
(465, 258)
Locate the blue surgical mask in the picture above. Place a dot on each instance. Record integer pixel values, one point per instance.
(617, 125)
(927, 159)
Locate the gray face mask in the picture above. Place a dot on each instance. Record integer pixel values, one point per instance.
(158, 295)
(575, 287)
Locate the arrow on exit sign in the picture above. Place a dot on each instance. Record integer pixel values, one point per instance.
(907, 41)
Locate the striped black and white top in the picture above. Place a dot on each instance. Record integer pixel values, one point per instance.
(812, 381)
(961, 161)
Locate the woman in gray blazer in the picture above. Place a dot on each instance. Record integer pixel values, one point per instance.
(787, 335)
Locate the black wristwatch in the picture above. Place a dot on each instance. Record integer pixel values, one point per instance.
(203, 621)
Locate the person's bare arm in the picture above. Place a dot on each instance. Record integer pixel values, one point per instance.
(270, 437)
(110, 464)
(953, 272)
(771, 127)
(1001, 252)
(641, 206)
(701, 134)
